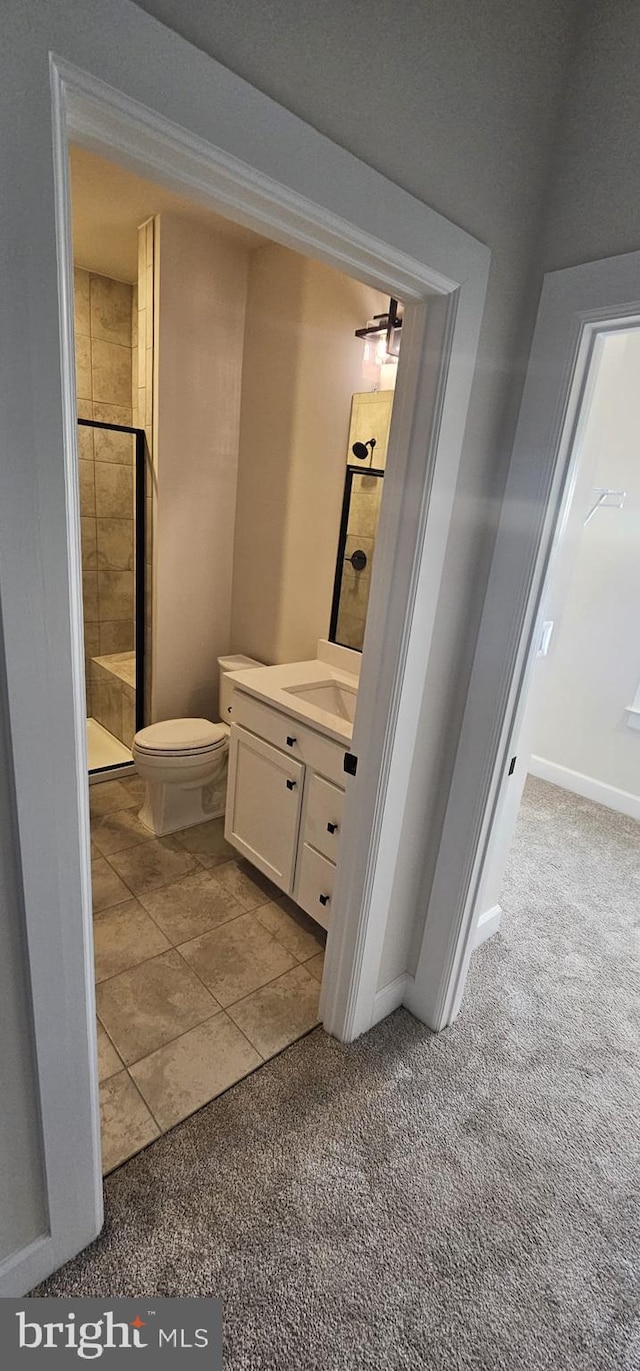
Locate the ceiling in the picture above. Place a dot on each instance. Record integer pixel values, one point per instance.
(109, 202)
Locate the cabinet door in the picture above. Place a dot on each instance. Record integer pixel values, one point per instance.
(264, 798)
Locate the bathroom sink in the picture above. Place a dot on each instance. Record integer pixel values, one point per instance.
(332, 696)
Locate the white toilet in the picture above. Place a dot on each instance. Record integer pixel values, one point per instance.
(184, 763)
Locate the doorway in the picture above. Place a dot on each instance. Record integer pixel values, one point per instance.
(310, 194)
(247, 366)
(574, 786)
(581, 309)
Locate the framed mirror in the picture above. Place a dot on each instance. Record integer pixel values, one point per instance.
(356, 548)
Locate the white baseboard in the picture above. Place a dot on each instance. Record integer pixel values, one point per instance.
(487, 925)
(621, 800)
(390, 997)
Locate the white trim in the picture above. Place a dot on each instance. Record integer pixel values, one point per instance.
(24, 1269)
(577, 307)
(439, 346)
(633, 711)
(204, 132)
(588, 786)
(391, 997)
(487, 925)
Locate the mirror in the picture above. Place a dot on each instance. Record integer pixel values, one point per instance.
(356, 547)
(366, 460)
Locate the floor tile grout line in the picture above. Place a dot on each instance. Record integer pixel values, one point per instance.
(110, 815)
(156, 887)
(156, 957)
(175, 947)
(172, 946)
(199, 868)
(145, 1101)
(171, 1041)
(232, 1004)
(258, 987)
(161, 1131)
(207, 1019)
(265, 1062)
(105, 1030)
(221, 1008)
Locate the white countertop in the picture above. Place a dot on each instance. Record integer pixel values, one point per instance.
(269, 684)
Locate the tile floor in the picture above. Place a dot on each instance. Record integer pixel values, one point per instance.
(203, 969)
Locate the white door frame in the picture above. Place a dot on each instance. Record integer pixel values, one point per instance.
(579, 306)
(121, 81)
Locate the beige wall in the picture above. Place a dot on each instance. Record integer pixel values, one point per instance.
(201, 282)
(302, 365)
(103, 336)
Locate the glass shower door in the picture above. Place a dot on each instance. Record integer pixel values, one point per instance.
(112, 475)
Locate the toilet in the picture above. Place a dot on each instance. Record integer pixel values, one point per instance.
(184, 762)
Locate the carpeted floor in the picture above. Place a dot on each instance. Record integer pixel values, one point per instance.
(413, 1201)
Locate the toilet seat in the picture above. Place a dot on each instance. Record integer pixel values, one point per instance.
(181, 738)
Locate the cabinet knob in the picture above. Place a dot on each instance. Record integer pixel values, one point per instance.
(291, 742)
(324, 899)
(332, 828)
(291, 785)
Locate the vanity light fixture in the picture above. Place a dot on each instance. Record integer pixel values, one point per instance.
(383, 331)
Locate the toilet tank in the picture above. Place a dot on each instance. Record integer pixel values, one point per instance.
(225, 685)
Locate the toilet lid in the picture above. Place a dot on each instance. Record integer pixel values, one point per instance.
(181, 735)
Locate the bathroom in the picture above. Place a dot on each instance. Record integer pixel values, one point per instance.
(243, 525)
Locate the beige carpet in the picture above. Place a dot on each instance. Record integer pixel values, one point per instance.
(462, 1201)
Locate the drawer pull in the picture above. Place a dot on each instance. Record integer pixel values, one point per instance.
(332, 828)
(324, 899)
(291, 785)
(291, 742)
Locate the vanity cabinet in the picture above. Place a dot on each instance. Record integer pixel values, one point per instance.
(264, 801)
(284, 809)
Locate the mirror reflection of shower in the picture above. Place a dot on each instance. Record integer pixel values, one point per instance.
(356, 547)
(366, 463)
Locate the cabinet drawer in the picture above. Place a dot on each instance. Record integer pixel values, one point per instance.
(264, 798)
(314, 884)
(304, 745)
(323, 818)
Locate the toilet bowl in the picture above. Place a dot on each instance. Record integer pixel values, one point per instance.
(184, 762)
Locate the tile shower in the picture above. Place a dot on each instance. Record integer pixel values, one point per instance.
(106, 339)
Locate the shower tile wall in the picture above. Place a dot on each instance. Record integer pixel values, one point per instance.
(103, 327)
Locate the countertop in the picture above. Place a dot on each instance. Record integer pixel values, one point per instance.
(268, 683)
